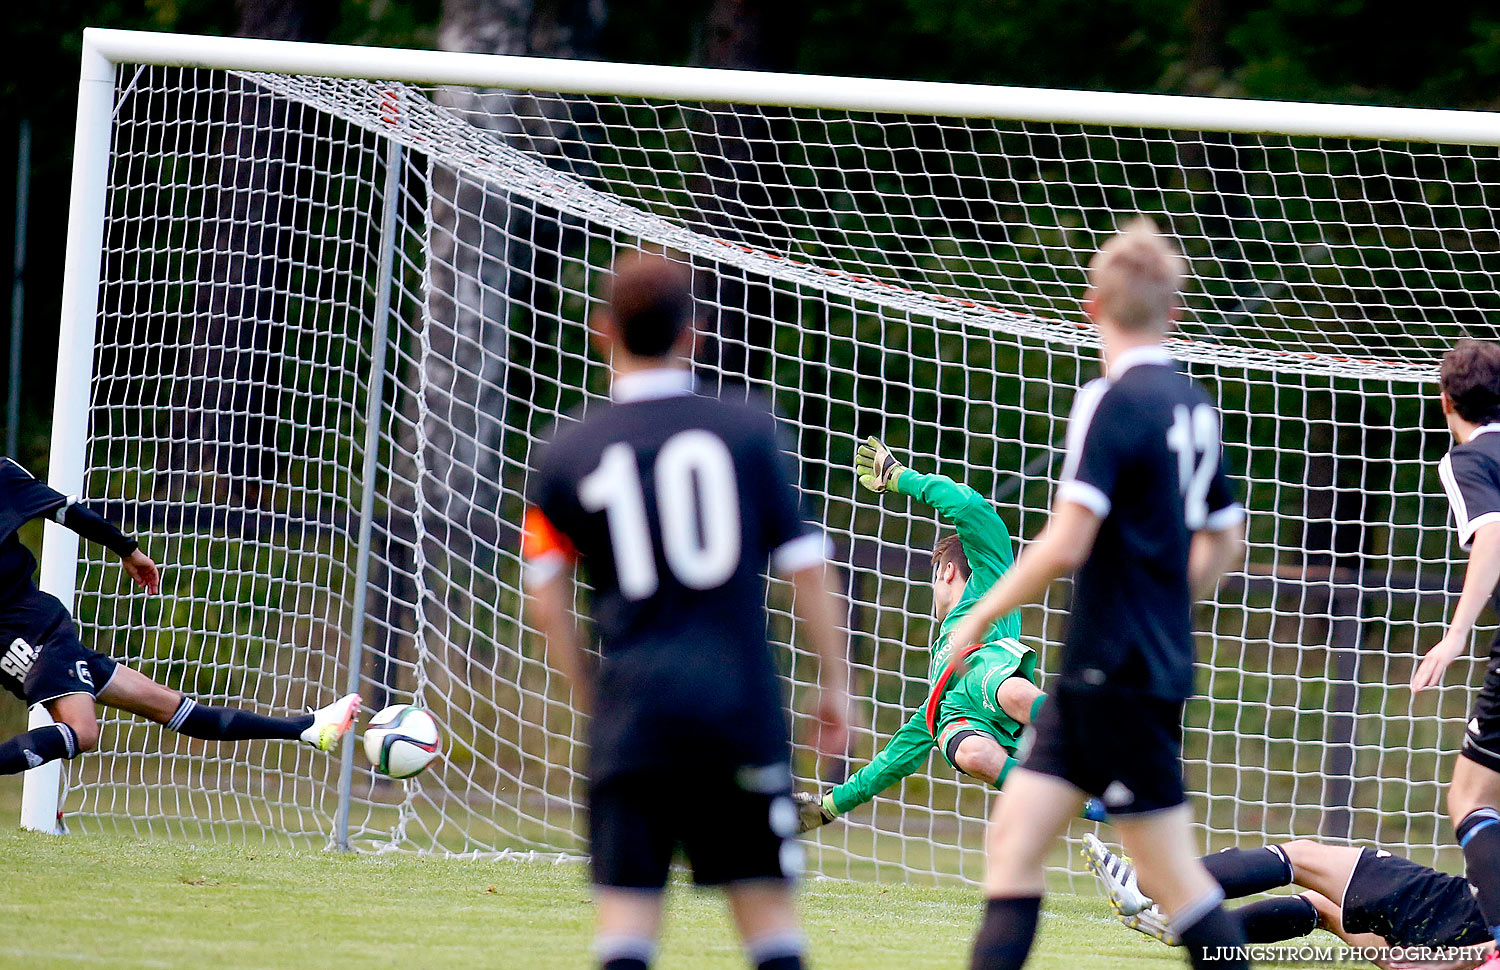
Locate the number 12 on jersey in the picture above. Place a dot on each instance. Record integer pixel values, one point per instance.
(697, 504)
(1194, 436)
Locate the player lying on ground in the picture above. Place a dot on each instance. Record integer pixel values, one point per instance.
(1369, 898)
(976, 719)
(43, 662)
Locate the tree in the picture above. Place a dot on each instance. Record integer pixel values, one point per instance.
(227, 406)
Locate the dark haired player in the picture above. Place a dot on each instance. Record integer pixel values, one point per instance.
(43, 662)
(1146, 516)
(673, 504)
(976, 719)
(1470, 391)
(1369, 898)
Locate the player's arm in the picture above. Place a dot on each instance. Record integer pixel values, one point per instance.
(1474, 494)
(96, 528)
(1220, 544)
(1480, 579)
(905, 752)
(25, 497)
(816, 607)
(800, 555)
(1061, 548)
(550, 558)
(979, 526)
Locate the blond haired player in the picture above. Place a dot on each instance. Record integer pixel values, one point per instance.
(1146, 518)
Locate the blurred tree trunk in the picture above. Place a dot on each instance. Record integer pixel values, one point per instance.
(735, 191)
(228, 408)
(483, 246)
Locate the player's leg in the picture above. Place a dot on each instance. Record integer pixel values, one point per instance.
(1020, 699)
(980, 756)
(130, 690)
(1474, 799)
(74, 731)
(627, 923)
(765, 913)
(1161, 843)
(1025, 824)
(749, 849)
(630, 851)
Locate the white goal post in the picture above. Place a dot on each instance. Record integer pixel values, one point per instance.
(321, 301)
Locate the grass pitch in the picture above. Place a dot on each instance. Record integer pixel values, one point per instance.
(117, 902)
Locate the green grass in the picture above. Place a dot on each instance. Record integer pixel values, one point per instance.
(125, 903)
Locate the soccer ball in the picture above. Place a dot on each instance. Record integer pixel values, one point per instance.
(401, 740)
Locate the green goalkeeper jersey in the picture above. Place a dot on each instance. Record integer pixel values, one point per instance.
(986, 543)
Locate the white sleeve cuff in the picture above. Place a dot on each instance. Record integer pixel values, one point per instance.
(543, 569)
(1226, 518)
(1469, 528)
(800, 553)
(1084, 494)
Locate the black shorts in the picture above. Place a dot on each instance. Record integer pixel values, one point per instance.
(1411, 905)
(1122, 747)
(1482, 733)
(41, 657)
(736, 830)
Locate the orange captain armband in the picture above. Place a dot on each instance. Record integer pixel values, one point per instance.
(542, 540)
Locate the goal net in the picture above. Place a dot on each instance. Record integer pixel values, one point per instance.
(336, 315)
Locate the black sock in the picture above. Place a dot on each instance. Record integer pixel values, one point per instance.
(1213, 938)
(781, 963)
(37, 747)
(777, 951)
(1479, 834)
(1245, 872)
(1276, 919)
(624, 951)
(1006, 934)
(229, 724)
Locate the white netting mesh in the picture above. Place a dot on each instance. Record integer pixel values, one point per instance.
(912, 277)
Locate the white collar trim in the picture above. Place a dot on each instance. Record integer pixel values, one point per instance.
(1485, 429)
(1148, 354)
(649, 385)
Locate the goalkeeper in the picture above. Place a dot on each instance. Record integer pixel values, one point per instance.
(975, 719)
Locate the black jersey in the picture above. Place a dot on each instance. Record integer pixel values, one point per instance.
(673, 504)
(1471, 477)
(1411, 905)
(1143, 454)
(22, 498)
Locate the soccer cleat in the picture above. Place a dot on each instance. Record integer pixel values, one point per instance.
(1117, 876)
(1152, 922)
(332, 723)
(810, 812)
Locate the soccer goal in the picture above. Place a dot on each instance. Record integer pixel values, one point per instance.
(322, 302)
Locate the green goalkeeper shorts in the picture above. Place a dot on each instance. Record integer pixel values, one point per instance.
(970, 705)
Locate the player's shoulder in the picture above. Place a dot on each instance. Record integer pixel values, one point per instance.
(1481, 450)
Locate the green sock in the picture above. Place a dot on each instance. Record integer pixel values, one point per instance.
(1036, 706)
(1005, 770)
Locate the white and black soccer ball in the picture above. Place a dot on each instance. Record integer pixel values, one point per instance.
(402, 740)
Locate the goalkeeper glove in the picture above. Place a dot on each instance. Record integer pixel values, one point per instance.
(876, 467)
(812, 812)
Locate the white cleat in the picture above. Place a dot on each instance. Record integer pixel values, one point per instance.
(1152, 922)
(332, 722)
(1116, 875)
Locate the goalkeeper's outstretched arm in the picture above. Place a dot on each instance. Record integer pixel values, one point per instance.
(980, 528)
(905, 753)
